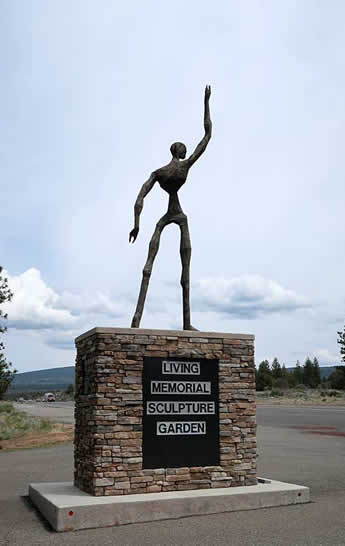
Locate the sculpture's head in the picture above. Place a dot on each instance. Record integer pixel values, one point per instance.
(178, 150)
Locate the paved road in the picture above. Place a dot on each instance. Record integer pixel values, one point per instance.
(285, 453)
(294, 416)
(63, 412)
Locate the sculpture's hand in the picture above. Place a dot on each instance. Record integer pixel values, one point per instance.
(207, 92)
(207, 119)
(133, 234)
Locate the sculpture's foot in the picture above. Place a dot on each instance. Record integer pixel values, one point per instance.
(190, 327)
(135, 322)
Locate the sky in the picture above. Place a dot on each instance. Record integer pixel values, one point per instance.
(92, 96)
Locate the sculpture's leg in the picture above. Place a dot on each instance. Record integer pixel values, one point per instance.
(185, 252)
(153, 249)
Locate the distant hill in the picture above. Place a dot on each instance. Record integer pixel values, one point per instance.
(43, 380)
(325, 371)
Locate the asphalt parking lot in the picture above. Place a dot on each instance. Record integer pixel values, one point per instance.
(299, 445)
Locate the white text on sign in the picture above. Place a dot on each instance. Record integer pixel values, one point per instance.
(181, 387)
(180, 408)
(182, 368)
(175, 428)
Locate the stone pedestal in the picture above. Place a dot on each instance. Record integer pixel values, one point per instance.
(112, 367)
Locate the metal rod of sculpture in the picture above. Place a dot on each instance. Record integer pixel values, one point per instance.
(171, 177)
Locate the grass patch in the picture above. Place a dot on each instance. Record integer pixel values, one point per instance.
(14, 423)
(302, 395)
(18, 430)
(6, 407)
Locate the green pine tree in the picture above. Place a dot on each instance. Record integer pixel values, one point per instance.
(308, 373)
(337, 378)
(298, 373)
(291, 377)
(341, 342)
(263, 376)
(316, 373)
(276, 369)
(6, 371)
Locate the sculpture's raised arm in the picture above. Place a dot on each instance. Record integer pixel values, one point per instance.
(201, 147)
(138, 207)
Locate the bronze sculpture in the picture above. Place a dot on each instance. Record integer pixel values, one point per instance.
(170, 178)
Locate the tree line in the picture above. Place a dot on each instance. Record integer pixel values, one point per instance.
(278, 376)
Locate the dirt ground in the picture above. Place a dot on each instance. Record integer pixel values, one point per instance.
(58, 434)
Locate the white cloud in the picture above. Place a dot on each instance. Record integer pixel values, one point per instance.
(325, 356)
(34, 304)
(37, 307)
(62, 340)
(97, 304)
(247, 296)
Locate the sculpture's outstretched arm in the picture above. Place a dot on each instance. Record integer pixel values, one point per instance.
(138, 207)
(201, 147)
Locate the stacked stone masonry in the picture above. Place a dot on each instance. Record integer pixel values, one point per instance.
(109, 410)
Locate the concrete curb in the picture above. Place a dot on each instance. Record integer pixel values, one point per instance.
(68, 509)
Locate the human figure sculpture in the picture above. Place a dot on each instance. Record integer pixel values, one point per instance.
(170, 178)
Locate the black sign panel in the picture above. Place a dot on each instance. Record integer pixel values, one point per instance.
(180, 419)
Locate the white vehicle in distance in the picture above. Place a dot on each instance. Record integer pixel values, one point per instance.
(49, 397)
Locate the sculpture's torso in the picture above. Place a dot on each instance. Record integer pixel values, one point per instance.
(172, 176)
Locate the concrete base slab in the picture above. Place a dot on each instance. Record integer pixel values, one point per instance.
(68, 509)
